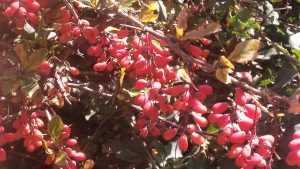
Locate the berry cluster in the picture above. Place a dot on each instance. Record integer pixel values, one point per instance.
(23, 10)
(68, 145)
(293, 157)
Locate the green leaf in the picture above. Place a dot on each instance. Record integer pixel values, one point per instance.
(55, 127)
(10, 86)
(296, 52)
(212, 128)
(240, 19)
(31, 86)
(60, 157)
(35, 59)
(265, 82)
(22, 53)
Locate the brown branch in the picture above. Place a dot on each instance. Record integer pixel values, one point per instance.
(173, 46)
(61, 87)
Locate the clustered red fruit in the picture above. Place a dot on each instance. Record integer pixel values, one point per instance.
(293, 157)
(238, 128)
(23, 10)
(156, 103)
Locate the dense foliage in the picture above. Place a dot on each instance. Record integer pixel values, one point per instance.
(149, 84)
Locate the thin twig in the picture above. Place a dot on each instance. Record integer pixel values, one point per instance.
(73, 11)
(61, 87)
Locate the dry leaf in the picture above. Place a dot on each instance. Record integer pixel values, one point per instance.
(294, 104)
(222, 75)
(179, 32)
(226, 62)
(202, 31)
(182, 17)
(148, 13)
(149, 17)
(245, 51)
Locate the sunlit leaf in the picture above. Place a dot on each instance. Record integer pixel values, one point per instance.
(202, 31)
(222, 76)
(94, 2)
(245, 51)
(60, 157)
(153, 5)
(55, 127)
(149, 17)
(183, 75)
(30, 86)
(212, 128)
(89, 164)
(226, 62)
(179, 32)
(122, 76)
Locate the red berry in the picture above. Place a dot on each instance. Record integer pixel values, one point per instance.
(246, 152)
(9, 12)
(252, 111)
(221, 139)
(205, 41)
(72, 164)
(183, 143)
(238, 137)
(245, 123)
(45, 68)
(2, 155)
(143, 133)
(74, 71)
(71, 142)
(141, 84)
(206, 89)
(79, 156)
(200, 120)
(170, 134)
(191, 128)
(220, 107)
(99, 66)
(295, 144)
(198, 106)
(22, 11)
(296, 134)
(197, 138)
(242, 97)
(234, 151)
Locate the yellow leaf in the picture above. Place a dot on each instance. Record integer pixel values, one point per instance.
(183, 75)
(110, 29)
(122, 76)
(226, 62)
(179, 32)
(153, 5)
(94, 2)
(245, 51)
(149, 17)
(223, 77)
(202, 31)
(150, 8)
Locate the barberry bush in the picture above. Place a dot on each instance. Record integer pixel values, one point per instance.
(149, 84)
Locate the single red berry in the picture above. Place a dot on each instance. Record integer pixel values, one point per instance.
(170, 134)
(74, 71)
(183, 143)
